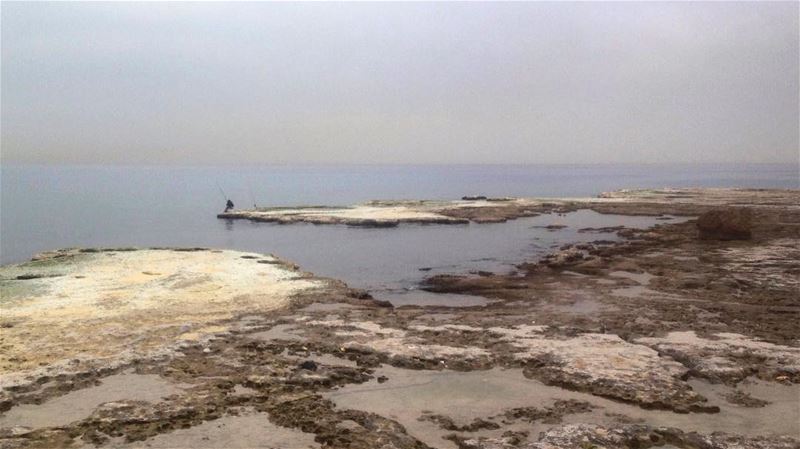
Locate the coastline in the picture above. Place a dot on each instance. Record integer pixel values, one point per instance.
(482, 209)
(618, 342)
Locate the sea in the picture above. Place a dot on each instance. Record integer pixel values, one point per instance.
(48, 207)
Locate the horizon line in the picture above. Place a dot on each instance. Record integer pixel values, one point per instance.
(389, 164)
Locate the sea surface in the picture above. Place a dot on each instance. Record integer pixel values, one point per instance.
(45, 207)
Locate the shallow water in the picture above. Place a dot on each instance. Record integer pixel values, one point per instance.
(640, 278)
(635, 292)
(465, 396)
(391, 262)
(585, 306)
(277, 332)
(248, 430)
(80, 404)
(423, 298)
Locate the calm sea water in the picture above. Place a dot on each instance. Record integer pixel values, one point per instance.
(44, 208)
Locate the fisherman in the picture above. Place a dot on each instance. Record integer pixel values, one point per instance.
(228, 205)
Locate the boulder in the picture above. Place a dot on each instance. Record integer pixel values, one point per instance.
(566, 256)
(725, 224)
(309, 365)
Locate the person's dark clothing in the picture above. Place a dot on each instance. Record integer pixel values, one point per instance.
(228, 205)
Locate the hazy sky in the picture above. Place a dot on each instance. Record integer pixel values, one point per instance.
(240, 83)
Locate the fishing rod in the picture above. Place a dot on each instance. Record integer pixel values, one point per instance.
(225, 197)
(252, 197)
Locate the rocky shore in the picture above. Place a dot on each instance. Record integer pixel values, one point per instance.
(683, 335)
(480, 209)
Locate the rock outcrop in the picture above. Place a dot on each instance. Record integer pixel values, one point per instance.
(726, 224)
(629, 437)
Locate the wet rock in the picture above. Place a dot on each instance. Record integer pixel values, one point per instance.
(473, 198)
(744, 399)
(447, 423)
(606, 229)
(504, 442)
(341, 428)
(309, 365)
(606, 365)
(29, 276)
(725, 224)
(641, 436)
(447, 283)
(360, 294)
(693, 282)
(552, 227)
(372, 223)
(729, 357)
(490, 219)
(563, 257)
(579, 436)
(549, 415)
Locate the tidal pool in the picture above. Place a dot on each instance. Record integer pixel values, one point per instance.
(390, 263)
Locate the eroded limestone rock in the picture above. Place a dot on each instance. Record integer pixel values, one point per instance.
(572, 436)
(729, 357)
(400, 347)
(607, 365)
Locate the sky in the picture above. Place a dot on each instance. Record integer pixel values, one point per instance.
(407, 83)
